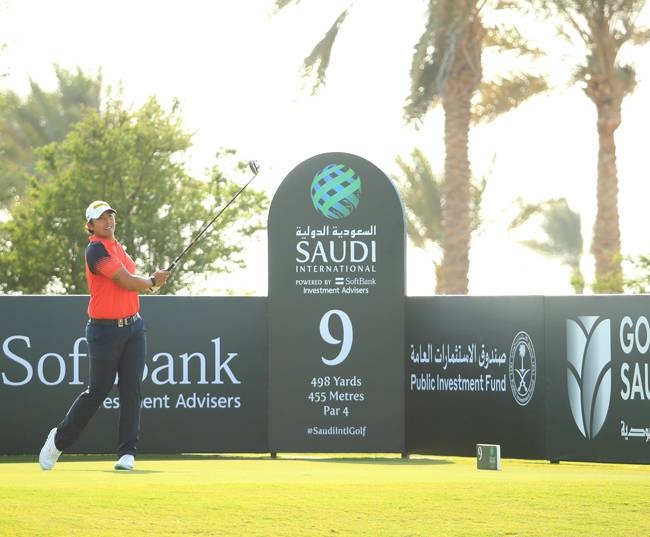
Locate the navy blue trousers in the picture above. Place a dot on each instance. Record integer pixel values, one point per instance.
(112, 351)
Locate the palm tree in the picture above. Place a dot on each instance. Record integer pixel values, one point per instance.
(602, 28)
(37, 120)
(563, 235)
(421, 189)
(446, 68)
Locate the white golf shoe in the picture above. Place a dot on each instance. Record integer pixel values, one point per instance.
(49, 453)
(126, 462)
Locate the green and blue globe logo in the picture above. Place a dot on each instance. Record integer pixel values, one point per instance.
(335, 191)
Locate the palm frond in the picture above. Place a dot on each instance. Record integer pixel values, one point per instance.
(504, 39)
(561, 228)
(319, 58)
(499, 96)
(421, 190)
(281, 4)
(640, 37)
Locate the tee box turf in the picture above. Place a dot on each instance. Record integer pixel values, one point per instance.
(488, 456)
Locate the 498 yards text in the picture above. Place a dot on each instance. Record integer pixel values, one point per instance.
(329, 394)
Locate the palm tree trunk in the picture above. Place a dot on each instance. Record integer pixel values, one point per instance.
(464, 79)
(607, 237)
(456, 209)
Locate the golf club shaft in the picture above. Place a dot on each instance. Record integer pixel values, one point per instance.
(255, 168)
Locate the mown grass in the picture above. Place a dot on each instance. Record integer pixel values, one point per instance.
(316, 495)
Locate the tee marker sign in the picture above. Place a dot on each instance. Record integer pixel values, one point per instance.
(488, 456)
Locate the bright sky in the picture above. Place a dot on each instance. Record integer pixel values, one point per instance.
(234, 68)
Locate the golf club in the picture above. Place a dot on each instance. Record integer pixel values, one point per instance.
(254, 166)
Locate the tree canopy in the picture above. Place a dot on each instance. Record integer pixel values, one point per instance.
(133, 160)
(38, 119)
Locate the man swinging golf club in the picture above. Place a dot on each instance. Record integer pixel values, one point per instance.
(116, 340)
(115, 334)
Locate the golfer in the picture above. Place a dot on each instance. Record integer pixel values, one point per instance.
(116, 340)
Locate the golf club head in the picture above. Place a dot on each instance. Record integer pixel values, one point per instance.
(254, 165)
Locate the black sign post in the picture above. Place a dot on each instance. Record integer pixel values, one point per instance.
(336, 309)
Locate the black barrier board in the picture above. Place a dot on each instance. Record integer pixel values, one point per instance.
(599, 379)
(336, 309)
(475, 375)
(204, 386)
(43, 367)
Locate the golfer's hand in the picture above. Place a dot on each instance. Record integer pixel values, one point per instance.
(161, 277)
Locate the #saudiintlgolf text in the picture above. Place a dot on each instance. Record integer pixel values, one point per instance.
(333, 430)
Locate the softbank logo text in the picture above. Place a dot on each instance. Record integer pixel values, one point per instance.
(589, 372)
(21, 367)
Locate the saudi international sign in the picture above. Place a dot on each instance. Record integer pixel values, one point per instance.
(336, 309)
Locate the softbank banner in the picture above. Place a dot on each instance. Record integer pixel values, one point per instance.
(475, 374)
(599, 382)
(204, 384)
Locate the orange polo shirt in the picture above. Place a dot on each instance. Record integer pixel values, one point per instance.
(107, 299)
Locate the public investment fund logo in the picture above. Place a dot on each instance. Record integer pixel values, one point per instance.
(522, 368)
(335, 191)
(589, 372)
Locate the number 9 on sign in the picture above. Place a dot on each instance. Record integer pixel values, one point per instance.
(326, 333)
